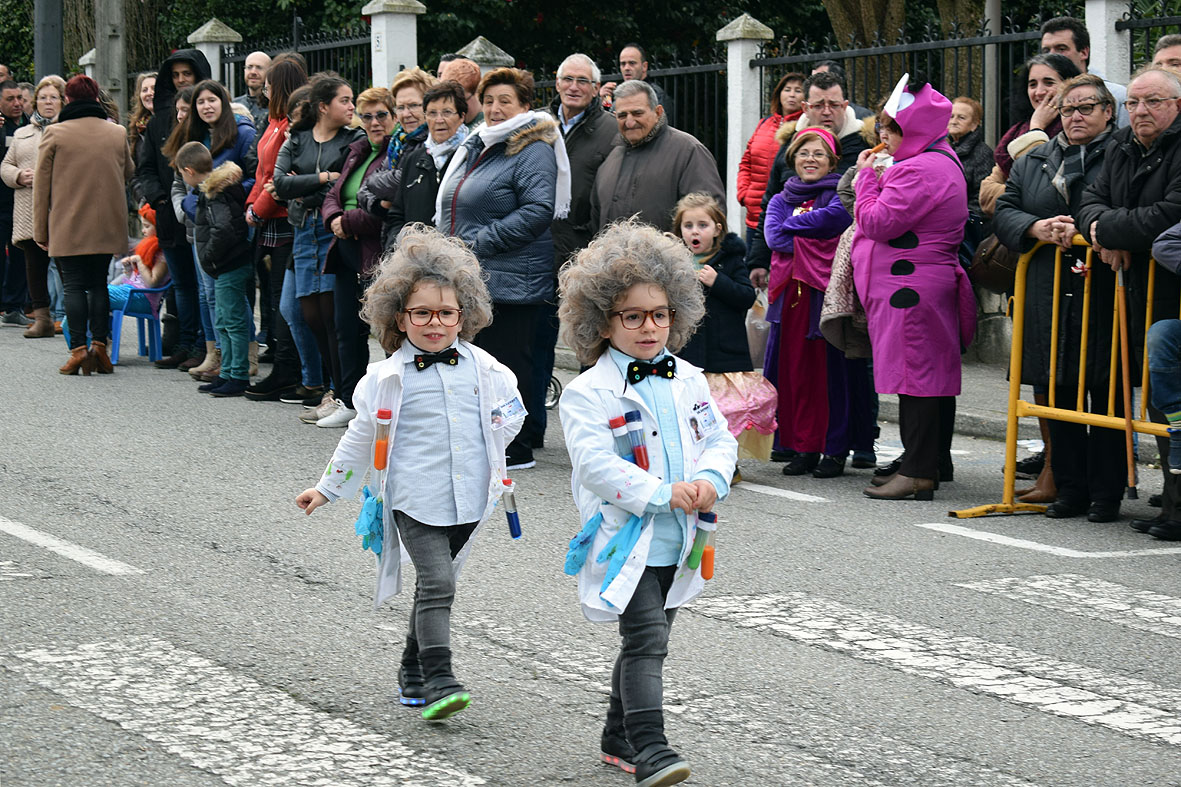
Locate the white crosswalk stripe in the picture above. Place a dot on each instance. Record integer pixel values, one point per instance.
(1128, 705)
(1142, 610)
(224, 723)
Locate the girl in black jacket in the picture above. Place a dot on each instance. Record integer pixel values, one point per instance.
(720, 345)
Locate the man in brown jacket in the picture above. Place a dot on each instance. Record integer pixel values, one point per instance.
(654, 165)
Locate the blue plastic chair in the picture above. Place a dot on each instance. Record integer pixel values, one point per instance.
(147, 320)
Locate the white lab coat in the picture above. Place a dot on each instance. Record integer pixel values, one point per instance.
(603, 481)
(381, 387)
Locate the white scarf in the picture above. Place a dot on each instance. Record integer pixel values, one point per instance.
(491, 135)
(441, 150)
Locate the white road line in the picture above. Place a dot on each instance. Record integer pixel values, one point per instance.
(776, 492)
(1127, 705)
(87, 557)
(1021, 543)
(10, 571)
(1087, 597)
(815, 748)
(223, 723)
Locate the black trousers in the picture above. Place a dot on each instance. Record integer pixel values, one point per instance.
(84, 279)
(1171, 491)
(352, 333)
(286, 363)
(927, 424)
(1089, 463)
(509, 339)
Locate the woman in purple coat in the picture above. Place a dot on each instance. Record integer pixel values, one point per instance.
(921, 309)
(823, 396)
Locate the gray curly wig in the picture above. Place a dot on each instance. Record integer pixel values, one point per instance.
(425, 255)
(622, 255)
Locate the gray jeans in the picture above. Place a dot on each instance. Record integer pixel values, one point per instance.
(637, 681)
(432, 549)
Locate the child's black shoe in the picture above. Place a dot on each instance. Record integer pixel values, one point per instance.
(411, 686)
(445, 696)
(659, 765)
(614, 749)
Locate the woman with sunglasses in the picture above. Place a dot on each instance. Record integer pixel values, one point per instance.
(1043, 192)
(356, 245)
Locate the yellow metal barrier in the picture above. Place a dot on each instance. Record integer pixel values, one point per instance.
(1019, 408)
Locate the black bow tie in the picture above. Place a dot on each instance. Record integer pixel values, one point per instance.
(449, 356)
(638, 370)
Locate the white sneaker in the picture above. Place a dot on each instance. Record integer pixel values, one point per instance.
(326, 408)
(339, 417)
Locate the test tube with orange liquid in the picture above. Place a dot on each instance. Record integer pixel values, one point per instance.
(381, 445)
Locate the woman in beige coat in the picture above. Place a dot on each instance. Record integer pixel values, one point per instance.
(17, 172)
(80, 215)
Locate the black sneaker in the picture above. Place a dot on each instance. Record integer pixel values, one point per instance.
(271, 388)
(231, 387)
(1031, 466)
(864, 460)
(614, 749)
(520, 460)
(308, 397)
(411, 686)
(663, 767)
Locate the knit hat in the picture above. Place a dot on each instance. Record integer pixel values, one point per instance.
(81, 88)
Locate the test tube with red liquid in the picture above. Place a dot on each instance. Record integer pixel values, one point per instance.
(635, 435)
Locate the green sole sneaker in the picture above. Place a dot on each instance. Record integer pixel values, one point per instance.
(446, 707)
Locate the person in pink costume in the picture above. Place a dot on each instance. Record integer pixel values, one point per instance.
(920, 305)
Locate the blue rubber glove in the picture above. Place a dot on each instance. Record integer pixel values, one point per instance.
(581, 543)
(369, 522)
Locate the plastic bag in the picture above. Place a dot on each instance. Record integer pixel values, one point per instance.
(757, 328)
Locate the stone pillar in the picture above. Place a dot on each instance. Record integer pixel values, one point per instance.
(87, 62)
(110, 65)
(487, 55)
(208, 39)
(393, 37)
(1111, 49)
(992, 95)
(744, 99)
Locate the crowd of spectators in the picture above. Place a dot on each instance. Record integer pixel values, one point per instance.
(838, 199)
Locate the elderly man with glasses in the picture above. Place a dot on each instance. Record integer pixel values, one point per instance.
(1136, 197)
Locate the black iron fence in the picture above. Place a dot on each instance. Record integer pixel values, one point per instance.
(347, 52)
(1147, 22)
(695, 87)
(980, 65)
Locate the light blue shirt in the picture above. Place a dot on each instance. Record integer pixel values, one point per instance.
(667, 525)
(568, 124)
(438, 471)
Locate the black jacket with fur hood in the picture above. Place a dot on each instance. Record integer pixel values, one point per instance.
(220, 230)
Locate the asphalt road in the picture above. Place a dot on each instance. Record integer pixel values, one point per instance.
(168, 617)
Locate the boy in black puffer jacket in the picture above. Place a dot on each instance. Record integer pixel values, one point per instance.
(223, 250)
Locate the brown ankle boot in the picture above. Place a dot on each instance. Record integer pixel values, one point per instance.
(102, 361)
(901, 487)
(42, 325)
(79, 360)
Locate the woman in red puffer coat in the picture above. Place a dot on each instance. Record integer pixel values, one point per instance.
(787, 104)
